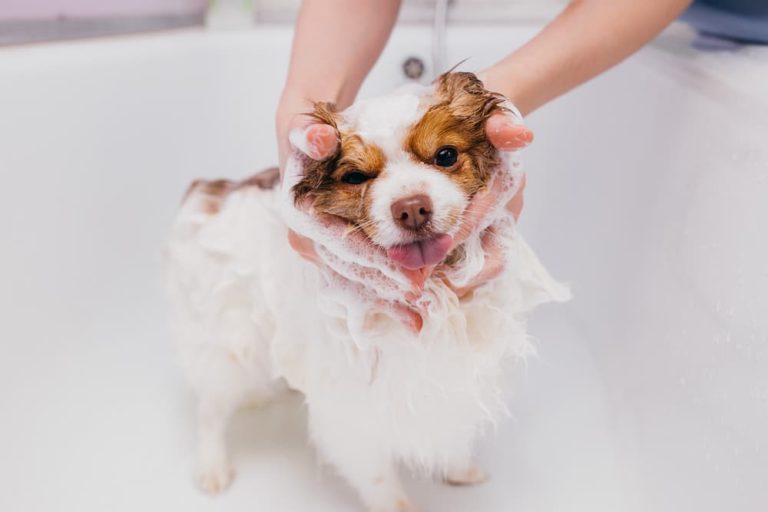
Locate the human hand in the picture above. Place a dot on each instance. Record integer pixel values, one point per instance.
(506, 134)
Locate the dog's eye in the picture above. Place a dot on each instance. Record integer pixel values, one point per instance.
(355, 178)
(446, 156)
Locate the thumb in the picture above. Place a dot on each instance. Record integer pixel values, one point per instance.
(505, 134)
(317, 141)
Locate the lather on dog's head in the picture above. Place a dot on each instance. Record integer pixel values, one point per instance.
(406, 165)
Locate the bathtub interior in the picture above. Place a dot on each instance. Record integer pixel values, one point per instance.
(646, 192)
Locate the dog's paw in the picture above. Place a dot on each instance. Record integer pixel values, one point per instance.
(214, 478)
(470, 476)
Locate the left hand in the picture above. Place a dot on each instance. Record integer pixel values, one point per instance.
(505, 135)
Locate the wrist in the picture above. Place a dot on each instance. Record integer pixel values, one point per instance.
(300, 93)
(510, 85)
(289, 106)
(296, 100)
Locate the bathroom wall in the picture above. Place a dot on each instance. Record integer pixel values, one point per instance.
(52, 9)
(16, 10)
(26, 21)
(422, 10)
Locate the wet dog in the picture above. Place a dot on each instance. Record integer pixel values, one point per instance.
(251, 317)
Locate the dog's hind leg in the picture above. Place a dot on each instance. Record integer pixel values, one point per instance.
(360, 459)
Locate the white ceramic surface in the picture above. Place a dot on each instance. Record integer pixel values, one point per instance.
(648, 192)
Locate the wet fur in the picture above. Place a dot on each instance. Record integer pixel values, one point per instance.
(457, 118)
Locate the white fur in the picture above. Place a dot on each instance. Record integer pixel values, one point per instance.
(384, 121)
(402, 178)
(250, 315)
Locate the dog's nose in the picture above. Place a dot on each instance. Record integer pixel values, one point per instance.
(412, 212)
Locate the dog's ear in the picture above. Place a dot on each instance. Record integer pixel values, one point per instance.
(319, 146)
(464, 93)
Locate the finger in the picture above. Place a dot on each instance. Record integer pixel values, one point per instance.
(368, 277)
(505, 134)
(407, 315)
(322, 141)
(284, 129)
(492, 266)
(483, 202)
(411, 318)
(304, 246)
(317, 141)
(416, 278)
(515, 206)
(344, 245)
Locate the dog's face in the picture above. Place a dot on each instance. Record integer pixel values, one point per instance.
(407, 166)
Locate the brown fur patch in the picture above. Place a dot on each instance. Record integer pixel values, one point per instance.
(458, 119)
(265, 180)
(322, 180)
(213, 188)
(213, 193)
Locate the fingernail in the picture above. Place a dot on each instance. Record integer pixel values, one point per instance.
(525, 138)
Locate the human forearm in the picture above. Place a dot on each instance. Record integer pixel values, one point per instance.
(336, 42)
(335, 45)
(587, 38)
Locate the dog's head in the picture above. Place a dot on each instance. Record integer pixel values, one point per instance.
(406, 166)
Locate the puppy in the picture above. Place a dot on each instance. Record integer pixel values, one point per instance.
(251, 318)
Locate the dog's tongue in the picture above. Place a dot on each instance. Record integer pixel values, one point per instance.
(421, 254)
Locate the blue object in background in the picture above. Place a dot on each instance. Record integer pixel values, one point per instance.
(741, 20)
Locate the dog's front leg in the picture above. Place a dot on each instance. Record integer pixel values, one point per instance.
(214, 473)
(359, 456)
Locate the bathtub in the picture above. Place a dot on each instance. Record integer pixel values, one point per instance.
(648, 192)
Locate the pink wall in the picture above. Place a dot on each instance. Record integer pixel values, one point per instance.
(49, 9)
